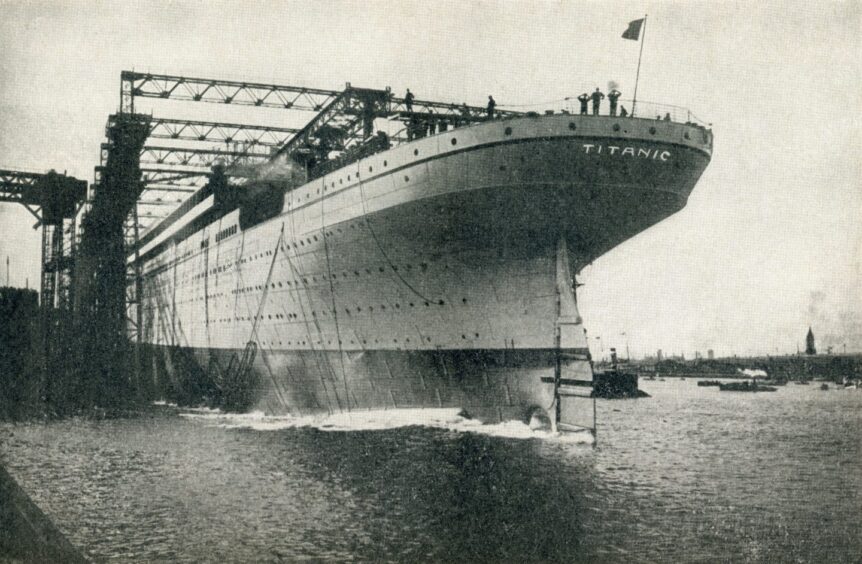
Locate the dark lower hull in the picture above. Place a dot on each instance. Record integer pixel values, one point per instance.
(490, 385)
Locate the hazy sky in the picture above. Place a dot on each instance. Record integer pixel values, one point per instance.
(769, 243)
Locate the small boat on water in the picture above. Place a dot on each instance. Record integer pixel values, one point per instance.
(824, 386)
(745, 387)
(709, 383)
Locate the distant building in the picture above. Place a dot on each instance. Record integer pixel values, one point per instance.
(809, 343)
(658, 356)
(710, 354)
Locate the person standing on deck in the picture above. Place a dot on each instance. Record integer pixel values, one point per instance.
(584, 99)
(613, 96)
(491, 105)
(597, 100)
(408, 100)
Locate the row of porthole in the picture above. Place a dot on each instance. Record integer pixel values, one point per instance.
(326, 312)
(454, 141)
(280, 284)
(616, 127)
(351, 342)
(423, 266)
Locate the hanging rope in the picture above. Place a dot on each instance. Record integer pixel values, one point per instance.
(392, 266)
(334, 304)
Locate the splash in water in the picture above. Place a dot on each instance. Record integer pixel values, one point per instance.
(449, 419)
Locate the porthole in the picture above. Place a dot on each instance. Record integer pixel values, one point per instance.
(572, 126)
(454, 141)
(508, 131)
(441, 302)
(370, 169)
(385, 163)
(406, 179)
(652, 130)
(616, 127)
(416, 152)
(687, 136)
(348, 177)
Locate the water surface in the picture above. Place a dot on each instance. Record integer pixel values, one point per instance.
(689, 475)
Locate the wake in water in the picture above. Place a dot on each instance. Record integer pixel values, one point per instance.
(449, 419)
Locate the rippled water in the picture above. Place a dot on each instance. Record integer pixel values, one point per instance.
(691, 474)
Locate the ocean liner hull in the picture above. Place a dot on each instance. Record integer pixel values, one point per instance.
(435, 274)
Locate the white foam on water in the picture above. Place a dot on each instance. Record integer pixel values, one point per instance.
(163, 403)
(448, 419)
(754, 373)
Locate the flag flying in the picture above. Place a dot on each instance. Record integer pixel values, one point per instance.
(634, 30)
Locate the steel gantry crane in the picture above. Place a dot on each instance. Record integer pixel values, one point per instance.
(52, 199)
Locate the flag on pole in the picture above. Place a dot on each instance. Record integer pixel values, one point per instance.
(634, 30)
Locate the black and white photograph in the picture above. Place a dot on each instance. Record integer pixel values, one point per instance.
(430, 281)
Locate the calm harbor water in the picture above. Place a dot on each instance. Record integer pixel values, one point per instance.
(689, 475)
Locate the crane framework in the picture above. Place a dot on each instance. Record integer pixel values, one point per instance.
(51, 198)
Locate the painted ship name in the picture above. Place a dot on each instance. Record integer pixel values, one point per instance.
(636, 152)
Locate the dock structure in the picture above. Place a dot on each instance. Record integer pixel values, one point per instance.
(26, 533)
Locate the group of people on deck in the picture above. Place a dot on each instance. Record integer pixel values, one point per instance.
(613, 96)
(585, 99)
(409, 98)
(597, 97)
(422, 124)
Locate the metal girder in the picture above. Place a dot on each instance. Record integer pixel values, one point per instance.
(146, 85)
(19, 187)
(444, 110)
(337, 126)
(156, 175)
(158, 202)
(171, 188)
(219, 132)
(204, 158)
(243, 93)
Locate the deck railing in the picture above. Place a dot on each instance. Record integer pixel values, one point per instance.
(644, 109)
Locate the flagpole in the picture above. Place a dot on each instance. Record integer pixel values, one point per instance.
(638, 75)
